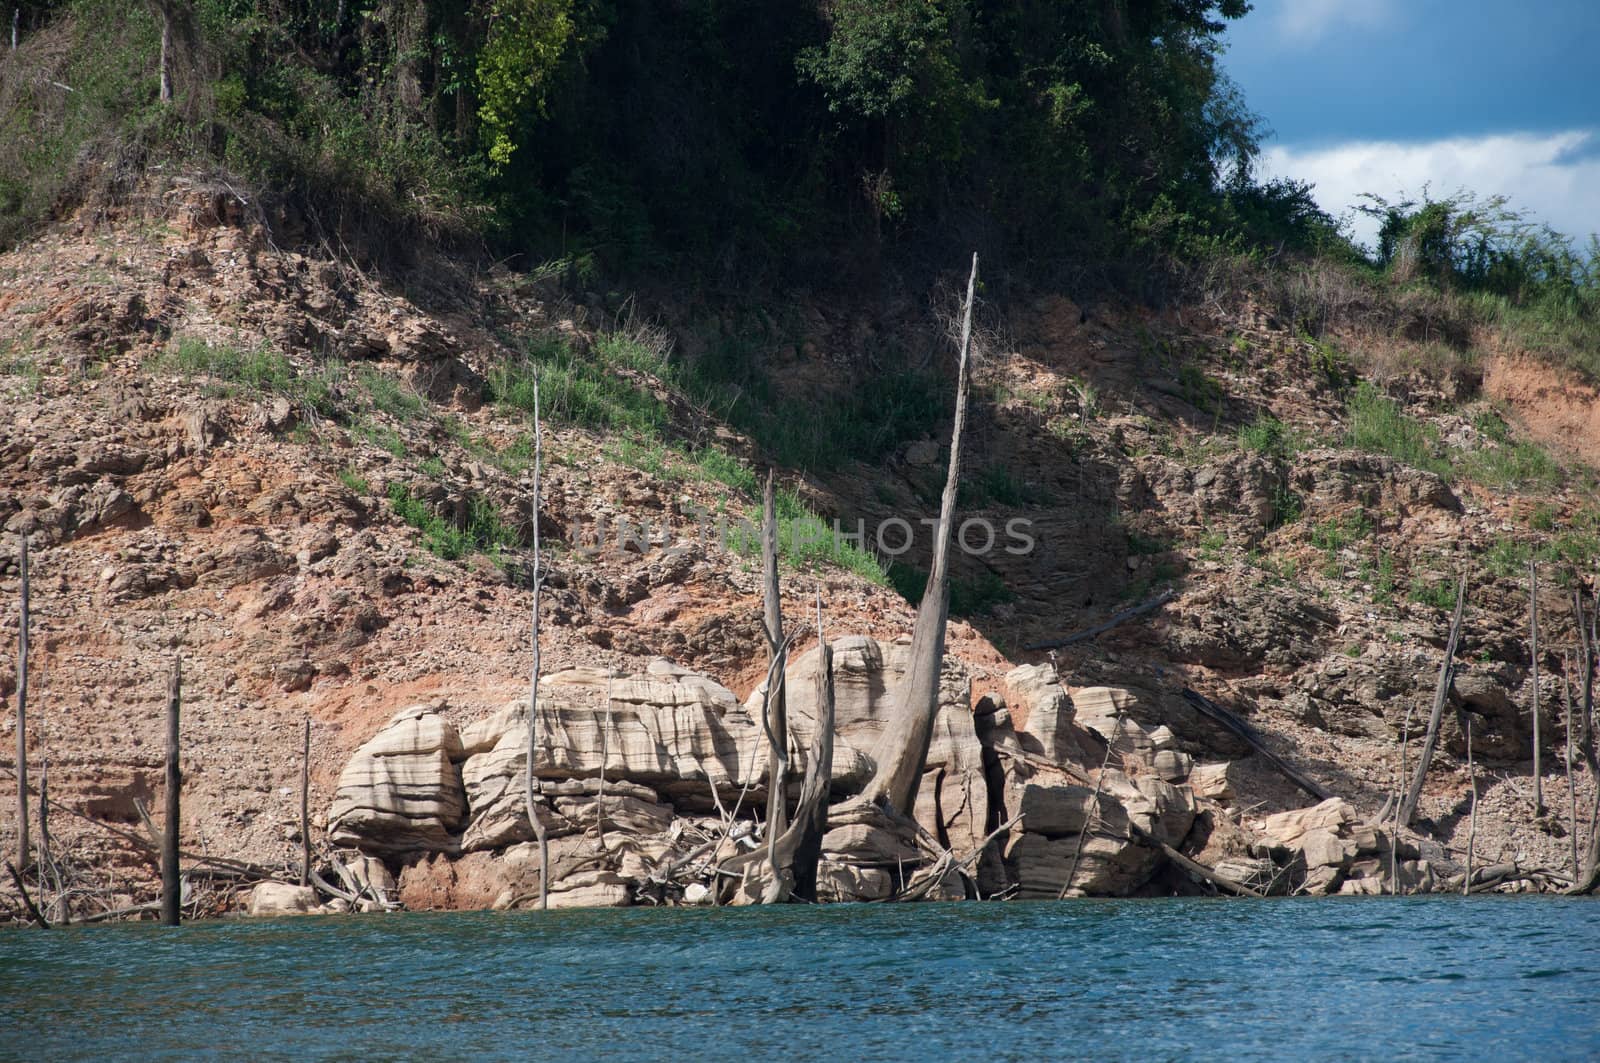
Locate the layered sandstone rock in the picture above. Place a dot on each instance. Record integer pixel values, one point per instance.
(401, 792)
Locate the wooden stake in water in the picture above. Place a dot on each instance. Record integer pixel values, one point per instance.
(1533, 625)
(305, 805)
(23, 847)
(171, 886)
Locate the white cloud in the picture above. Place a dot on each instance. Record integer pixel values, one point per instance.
(1305, 21)
(1555, 177)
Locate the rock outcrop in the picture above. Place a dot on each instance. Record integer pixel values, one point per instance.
(401, 792)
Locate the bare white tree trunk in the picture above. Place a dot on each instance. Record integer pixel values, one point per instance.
(903, 749)
(532, 785)
(777, 701)
(166, 51)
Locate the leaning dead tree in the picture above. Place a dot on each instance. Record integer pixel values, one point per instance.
(23, 854)
(777, 715)
(1441, 695)
(171, 883)
(903, 748)
(532, 784)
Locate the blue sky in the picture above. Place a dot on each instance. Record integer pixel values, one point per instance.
(1384, 95)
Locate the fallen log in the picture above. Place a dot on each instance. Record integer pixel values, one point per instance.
(1441, 694)
(1212, 711)
(1089, 634)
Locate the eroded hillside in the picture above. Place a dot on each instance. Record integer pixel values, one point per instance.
(313, 486)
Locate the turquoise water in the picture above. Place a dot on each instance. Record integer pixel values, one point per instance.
(1426, 977)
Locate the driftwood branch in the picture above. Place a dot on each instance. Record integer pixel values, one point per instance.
(1089, 634)
(27, 901)
(1238, 726)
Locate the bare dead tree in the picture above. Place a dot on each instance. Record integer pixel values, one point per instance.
(171, 885)
(1472, 777)
(16, 18)
(1589, 878)
(1533, 640)
(777, 723)
(305, 803)
(24, 849)
(605, 753)
(795, 855)
(902, 750)
(1441, 694)
(1572, 794)
(532, 784)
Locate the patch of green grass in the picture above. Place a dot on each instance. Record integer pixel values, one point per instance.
(230, 370)
(1379, 425)
(1269, 436)
(1508, 557)
(995, 485)
(1333, 535)
(717, 465)
(1287, 505)
(354, 481)
(1381, 574)
(1543, 517)
(1491, 426)
(482, 530)
(14, 362)
(587, 390)
(433, 466)
(1521, 464)
(390, 395)
(381, 436)
(1440, 594)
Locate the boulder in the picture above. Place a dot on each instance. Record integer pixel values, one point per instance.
(847, 882)
(401, 791)
(271, 899)
(676, 735)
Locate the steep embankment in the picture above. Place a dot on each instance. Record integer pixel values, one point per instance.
(313, 487)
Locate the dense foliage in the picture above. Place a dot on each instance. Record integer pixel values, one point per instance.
(734, 133)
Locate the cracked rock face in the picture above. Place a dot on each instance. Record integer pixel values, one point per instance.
(401, 792)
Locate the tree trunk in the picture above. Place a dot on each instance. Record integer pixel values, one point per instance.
(777, 709)
(1589, 879)
(1472, 829)
(532, 785)
(23, 846)
(1572, 794)
(305, 804)
(1533, 640)
(171, 885)
(166, 52)
(903, 749)
(1441, 694)
(796, 854)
